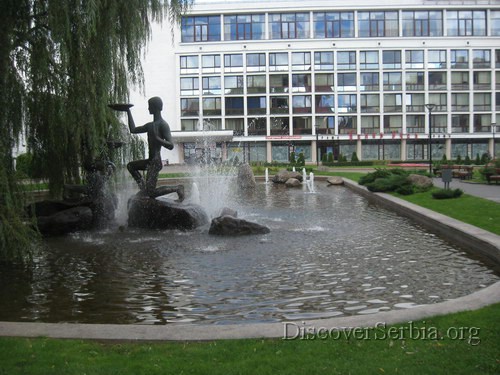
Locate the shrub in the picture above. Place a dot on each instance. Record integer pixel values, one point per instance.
(478, 160)
(292, 158)
(324, 158)
(395, 182)
(330, 157)
(467, 160)
(447, 193)
(354, 156)
(301, 160)
(459, 159)
(371, 177)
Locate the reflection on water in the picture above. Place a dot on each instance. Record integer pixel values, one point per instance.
(328, 254)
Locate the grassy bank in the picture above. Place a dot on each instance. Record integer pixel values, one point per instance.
(463, 343)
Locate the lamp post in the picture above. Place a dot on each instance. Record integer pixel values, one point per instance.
(316, 127)
(493, 128)
(430, 107)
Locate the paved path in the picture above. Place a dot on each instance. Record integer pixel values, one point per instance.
(491, 192)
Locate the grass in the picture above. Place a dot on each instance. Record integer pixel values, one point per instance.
(455, 349)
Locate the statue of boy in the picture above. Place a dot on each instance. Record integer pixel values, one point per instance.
(158, 136)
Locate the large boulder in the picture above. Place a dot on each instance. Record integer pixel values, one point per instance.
(283, 176)
(246, 178)
(232, 226)
(293, 182)
(335, 180)
(420, 181)
(163, 213)
(65, 221)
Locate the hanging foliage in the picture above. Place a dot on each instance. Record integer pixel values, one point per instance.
(61, 63)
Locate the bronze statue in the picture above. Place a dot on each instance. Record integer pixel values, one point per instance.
(158, 135)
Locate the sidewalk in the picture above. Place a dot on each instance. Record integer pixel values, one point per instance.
(491, 192)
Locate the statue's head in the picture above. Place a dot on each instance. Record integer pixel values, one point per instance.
(155, 104)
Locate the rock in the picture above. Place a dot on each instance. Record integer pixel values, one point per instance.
(282, 176)
(231, 226)
(226, 211)
(246, 179)
(420, 181)
(293, 182)
(335, 180)
(65, 221)
(161, 213)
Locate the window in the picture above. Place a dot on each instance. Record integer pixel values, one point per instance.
(233, 63)
(440, 100)
(301, 61)
(347, 103)
(244, 27)
(495, 22)
(256, 62)
(459, 58)
(326, 124)
(256, 84)
(279, 104)
(303, 125)
(324, 82)
(189, 125)
(482, 123)
(393, 102)
(393, 81)
(235, 124)
(190, 86)
(437, 59)
(333, 25)
(257, 126)
(211, 107)
(280, 126)
(482, 80)
(323, 60)
(415, 103)
(346, 82)
(279, 83)
(482, 101)
(302, 103)
(415, 124)
(234, 106)
(378, 24)
(233, 85)
(369, 81)
(190, 107)
(348, 124)
(210, 63)
(466, 22)
(414, 59)
(460, 81)
(369, 103)
(368, 60)
(189, 64)
(301, 83)
(278, 61)
(289, 25)
(497, 58)
(346, 60)
(422, 23)
(200, 29)
(415, 81)
(211, 86)
(256, 105)
(437, 80)
(391, 59)
(392, 124)
(370, 124)
(460, 123)
(460, 102)
(324, 103)
(481, 58)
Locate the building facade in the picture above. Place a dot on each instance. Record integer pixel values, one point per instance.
(261, 79)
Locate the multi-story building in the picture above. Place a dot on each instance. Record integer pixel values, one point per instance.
(261, 79)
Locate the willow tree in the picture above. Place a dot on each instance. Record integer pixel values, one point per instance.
(61, 63)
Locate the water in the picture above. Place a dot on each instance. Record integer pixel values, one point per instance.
(328, 254)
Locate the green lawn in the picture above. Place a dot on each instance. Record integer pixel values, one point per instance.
(463, 343)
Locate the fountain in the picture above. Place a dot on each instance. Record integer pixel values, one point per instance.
(266, 176)
(310, 183)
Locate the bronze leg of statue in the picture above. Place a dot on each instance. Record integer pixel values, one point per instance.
(134, 167)
(153, 170)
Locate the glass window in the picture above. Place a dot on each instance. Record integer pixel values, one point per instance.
(415, 102)
(325, 103)
(190, 107)
(279, 104)
(348, 124)
(211, 106)
(279, 83)
(481, 58)
(415, 124)
(235, 124)
(256, 62)
(257, 126)
(256, 84)
(393, 81)
(323, 60)
(370, 124)
(482, 80)
(482, 101)
(233, 85)
(190, 86)
(466, 22)
(414, 59)
(256, 105)
(200, 29)
(393, 102)
(369, 103)
(347, 103)
(440, 100)
(368, 60)
(211, 86)
(422, 23)
(460, 80)
(459, 58)
(460, 102)
(393, 123)
(210, 63)
(301, 61)
(189, 125)
(378, 24)
(302, 103)
(233, 63)
(302, 125)
(437, 80)
(244, 27)
(369, 81)
(301, 83)
(415, 81)
(346, 82)
(289, 25)
(278, 61)
(495, 22)
(324, 82)
(346, 60)
(437, 59)
(391, 59)
(333, 25)
(482, 123)
(234, 106)
(189, 64)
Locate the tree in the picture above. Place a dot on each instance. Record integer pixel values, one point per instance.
(61, 63)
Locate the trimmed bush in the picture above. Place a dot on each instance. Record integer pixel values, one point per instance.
(447, 193)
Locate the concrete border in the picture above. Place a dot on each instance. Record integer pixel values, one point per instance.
(485, 243)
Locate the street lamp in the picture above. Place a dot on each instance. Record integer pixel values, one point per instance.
(316, 127)
(430, 107)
